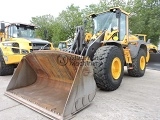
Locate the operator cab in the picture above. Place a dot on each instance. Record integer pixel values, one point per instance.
(18, 30)
(113, 22)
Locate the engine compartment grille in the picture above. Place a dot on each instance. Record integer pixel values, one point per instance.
(40, 46)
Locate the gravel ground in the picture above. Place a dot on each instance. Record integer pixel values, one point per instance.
(135, 99)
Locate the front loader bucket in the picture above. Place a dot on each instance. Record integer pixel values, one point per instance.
(55, 83)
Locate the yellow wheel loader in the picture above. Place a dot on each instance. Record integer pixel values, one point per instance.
(17, 40)
(152, 48)
(64, 45)
(58, 84)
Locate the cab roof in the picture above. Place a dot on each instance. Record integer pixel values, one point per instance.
(21, 24)
(111, 9)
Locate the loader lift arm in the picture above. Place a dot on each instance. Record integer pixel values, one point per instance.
(81, 47)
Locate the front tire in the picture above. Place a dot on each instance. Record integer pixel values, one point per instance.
(5, 69)
(108, 64)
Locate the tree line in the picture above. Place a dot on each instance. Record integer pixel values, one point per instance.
(144, 19)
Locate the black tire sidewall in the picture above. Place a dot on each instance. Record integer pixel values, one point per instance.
(137, 71)
(141, 53)
(4, 68)
(115, 53)
(102, 70)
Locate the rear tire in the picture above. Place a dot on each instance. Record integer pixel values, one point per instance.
(108, 64)
(139, 64)
(5, 69)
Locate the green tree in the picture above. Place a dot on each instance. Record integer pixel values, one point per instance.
(69, 19)
(145, 19)
(55, 31)
(58, 33)
(44, 23)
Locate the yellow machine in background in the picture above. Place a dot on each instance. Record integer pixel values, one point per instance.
(152, 48)
(17, 40)
(59, 84)
(65, 44)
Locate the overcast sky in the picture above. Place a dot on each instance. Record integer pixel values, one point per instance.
(23, 10)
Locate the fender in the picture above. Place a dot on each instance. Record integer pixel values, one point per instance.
(135, 46)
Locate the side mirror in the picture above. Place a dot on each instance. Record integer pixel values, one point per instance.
(2, 27)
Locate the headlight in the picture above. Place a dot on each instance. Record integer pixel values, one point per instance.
(11, 44)
(7, 44)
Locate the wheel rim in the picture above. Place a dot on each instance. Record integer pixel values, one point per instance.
(142, 62)
(116, 68)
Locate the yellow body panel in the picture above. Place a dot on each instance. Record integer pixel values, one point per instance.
(14, 58)
(88, 36)
(152, 48)
(148, 56)
(108, 35)
(9, 56)
(127, 55)
(17, 40)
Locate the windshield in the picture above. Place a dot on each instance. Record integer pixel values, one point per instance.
(26, 32)
(105, 21)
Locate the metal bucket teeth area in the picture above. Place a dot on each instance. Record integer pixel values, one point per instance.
(54, 83)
